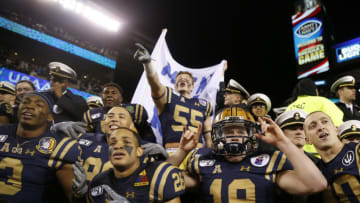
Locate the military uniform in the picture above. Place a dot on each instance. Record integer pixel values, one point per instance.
(351, 112)
(348, 114)
(232, 87)
(68, 107)
(7, 111)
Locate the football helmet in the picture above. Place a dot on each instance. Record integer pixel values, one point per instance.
(233, 132)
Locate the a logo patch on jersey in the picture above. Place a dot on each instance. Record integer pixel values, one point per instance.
(130, 109)
(202, 102)
(204, 163)
(3, 138)
(46, 145)
(348, 158)
(85, 142)
(95, 116)
(142, 179)
(260, 161)
(97, 191)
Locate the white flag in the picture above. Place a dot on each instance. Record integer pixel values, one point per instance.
(206, 82)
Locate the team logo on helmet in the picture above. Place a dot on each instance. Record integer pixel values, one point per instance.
(46, 145)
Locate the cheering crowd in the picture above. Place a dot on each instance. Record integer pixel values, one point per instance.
(57, 147)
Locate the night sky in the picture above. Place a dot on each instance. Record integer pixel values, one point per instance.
(255, 37)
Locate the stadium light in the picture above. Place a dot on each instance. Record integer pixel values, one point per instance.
(91, 13)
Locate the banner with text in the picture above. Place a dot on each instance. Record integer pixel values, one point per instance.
(310, 46)
(206, 81)
(40, 84)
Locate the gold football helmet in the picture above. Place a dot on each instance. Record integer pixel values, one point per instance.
(233, 132)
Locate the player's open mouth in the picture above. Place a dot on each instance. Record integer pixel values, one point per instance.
(114, 127)
(323, 135)
(118, 155)
(27, 115)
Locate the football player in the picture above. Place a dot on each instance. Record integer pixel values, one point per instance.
(233, 170)
(340, 163)
(132, 179)
(33, 161)
(176, 108)
(94, 145)
(112, 96)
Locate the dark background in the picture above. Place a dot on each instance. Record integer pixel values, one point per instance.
(255, 37)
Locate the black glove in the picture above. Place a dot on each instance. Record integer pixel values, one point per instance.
(69, 128)
(142, 55)
(79, 186)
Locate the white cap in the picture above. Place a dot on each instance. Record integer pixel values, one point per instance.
(349, 127)
(95, 100)
(260, 98)
(346, 81)
(235, 87)
(7, 87)
(291, 117)
(58, 69)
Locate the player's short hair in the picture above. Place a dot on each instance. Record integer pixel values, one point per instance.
(26, 81)
(187, 73)
(136, 135)
(112, 84)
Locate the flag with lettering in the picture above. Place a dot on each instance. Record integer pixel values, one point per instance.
(206, 84)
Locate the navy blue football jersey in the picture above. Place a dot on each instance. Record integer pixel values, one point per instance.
(6, 110)
(151, 182)
(93, 118)
(253, 179)
(180, 111)
(343, 174)
(95, 154)
(28, 165)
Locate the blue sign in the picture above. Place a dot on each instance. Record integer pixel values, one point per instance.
(347, 50)
(309, 43)
(40, 84)
(57, 43)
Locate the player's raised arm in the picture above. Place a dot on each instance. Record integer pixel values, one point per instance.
(157, 89)
(306, 177)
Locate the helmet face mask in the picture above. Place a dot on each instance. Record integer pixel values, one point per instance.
(234, 136)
